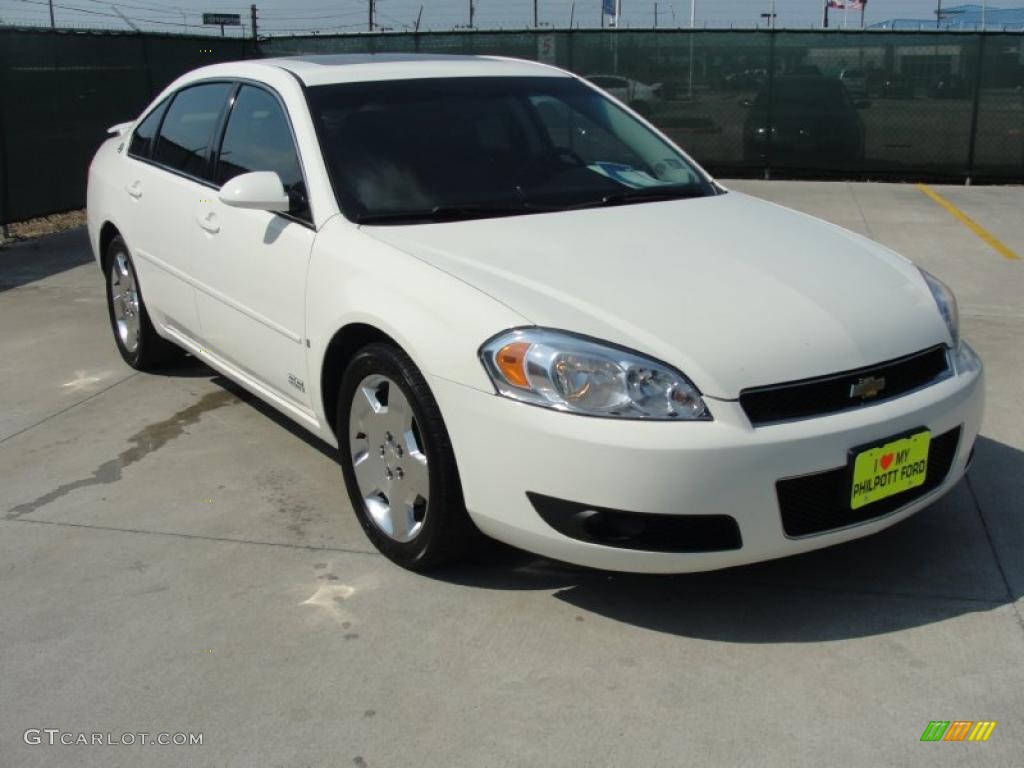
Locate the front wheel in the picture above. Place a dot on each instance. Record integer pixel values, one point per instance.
(398, 463)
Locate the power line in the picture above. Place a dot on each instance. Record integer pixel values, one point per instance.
(149, 9)
(109, 15)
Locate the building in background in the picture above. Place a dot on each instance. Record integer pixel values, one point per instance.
(968, 18)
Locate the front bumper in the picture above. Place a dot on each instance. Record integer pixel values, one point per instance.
(506, 449)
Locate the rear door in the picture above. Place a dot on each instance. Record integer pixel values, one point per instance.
(169, 155)
(250, 265)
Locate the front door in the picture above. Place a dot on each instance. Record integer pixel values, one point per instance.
(250, 265)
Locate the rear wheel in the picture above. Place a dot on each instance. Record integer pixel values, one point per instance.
(398, 463)
(136, 339)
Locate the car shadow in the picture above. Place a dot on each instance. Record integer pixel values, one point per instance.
(270, 412)
(187, 366)
(28, 261)
(937, 565)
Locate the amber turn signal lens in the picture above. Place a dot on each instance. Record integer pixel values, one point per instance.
(511, 361)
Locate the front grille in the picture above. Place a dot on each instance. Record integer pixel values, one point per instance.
(831, 394)
(821, 502)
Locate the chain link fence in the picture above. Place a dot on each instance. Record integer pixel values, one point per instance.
(784, 104)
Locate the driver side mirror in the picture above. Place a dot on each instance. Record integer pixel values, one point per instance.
(260, 190)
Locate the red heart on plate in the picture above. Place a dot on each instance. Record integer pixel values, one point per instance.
(887, 460)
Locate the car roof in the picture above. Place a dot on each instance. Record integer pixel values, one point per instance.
(362, 67)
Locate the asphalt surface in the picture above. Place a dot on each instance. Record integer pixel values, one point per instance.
(176, 558)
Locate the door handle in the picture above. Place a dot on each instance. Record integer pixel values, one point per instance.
(209, 223)
(135, 189)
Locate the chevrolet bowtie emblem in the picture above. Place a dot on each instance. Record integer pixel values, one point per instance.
(867, 387)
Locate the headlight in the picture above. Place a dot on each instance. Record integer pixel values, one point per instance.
(559, 370)
(946, 302)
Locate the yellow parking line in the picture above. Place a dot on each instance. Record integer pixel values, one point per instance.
(968, 222)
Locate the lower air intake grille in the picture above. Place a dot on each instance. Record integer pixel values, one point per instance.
(638, 530)
(821, 502)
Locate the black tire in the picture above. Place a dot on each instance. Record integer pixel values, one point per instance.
(151, 351)
(447, 534)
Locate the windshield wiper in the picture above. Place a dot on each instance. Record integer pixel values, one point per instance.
(643, 195)
(447, 213)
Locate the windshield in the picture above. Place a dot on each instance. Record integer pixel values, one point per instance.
(451, 148)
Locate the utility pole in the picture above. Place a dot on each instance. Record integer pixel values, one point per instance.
(693, 13)
(471, 12)
(534, 14)
(938, 15)
(252, 13)
(369, 26)
(419, 17)
(655, 15)
(53, 24)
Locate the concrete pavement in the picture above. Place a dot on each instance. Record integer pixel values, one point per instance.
(176, 557)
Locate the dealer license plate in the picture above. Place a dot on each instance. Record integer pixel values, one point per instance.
(885, 470)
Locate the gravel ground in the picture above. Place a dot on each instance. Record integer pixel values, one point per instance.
(43, 225)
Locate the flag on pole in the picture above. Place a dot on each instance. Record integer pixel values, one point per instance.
(608, 7)
(846, 5)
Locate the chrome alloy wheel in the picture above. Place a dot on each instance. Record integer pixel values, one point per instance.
(124, 297)
(388, 459)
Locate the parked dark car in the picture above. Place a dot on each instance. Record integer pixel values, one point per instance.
(814, 122)
(896, 86)
(950, 87)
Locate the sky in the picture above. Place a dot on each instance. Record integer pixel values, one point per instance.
(325, 17)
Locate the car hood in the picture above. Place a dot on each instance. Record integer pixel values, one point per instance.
(734, 291)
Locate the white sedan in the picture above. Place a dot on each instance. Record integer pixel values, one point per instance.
(517, 309)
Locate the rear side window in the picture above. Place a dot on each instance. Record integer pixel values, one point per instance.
(187, 130)
(142, 138)
(258, 138)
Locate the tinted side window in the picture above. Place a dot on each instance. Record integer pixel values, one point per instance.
(187, 130)
(258, 138)
(142, 138)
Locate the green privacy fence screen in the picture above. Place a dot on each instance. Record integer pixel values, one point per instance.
(789, 104)
(60, 91)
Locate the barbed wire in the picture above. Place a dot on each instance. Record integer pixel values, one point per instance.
(282, 16)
